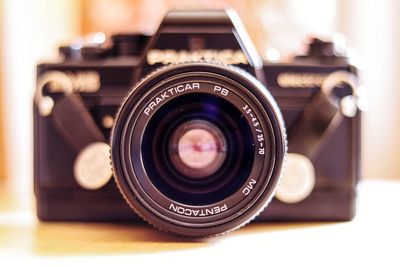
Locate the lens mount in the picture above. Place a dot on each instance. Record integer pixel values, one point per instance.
(197, 148)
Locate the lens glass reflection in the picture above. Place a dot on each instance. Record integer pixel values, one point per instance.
(197, 148)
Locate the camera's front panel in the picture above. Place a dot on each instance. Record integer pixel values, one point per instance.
(60, 196)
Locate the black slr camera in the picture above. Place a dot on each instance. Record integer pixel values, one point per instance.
(191, 130)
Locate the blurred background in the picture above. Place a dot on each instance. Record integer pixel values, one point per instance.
(30, 32)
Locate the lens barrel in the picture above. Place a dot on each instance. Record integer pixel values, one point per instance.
(198, 148)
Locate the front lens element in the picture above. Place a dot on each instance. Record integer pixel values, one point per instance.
(197, 148)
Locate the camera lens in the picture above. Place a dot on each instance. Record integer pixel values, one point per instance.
(197, 148)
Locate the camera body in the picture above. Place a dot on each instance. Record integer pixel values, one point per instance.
(103, 75)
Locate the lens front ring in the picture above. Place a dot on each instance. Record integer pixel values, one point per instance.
(259, 109)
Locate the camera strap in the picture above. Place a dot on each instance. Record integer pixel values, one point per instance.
(323, 114)
(72, 119)
(318, 116)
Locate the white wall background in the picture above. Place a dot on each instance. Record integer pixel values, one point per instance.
(31, 29)
(373, 28)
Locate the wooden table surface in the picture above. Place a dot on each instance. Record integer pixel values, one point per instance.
(371, 239)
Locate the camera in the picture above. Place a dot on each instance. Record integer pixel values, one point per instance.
(192, 131)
